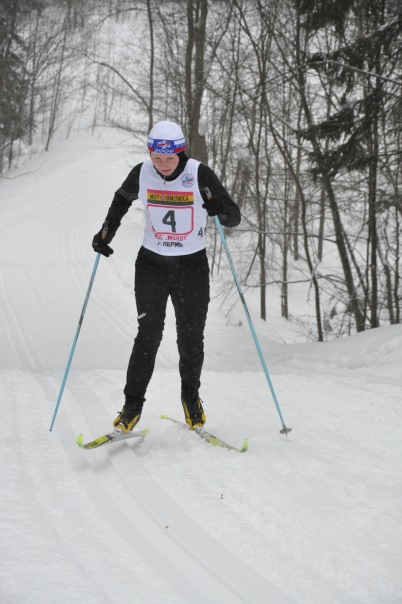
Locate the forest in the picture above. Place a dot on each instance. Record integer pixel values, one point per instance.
(296, 105)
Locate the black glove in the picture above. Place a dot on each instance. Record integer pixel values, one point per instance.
(214, 207)
(99, 245)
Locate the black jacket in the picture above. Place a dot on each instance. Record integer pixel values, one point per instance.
(128, 192)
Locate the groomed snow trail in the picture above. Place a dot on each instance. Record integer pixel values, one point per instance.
(195, 564)
(311, 519)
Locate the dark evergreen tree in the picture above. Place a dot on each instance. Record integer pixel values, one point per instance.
(364, 60)
(363, 68)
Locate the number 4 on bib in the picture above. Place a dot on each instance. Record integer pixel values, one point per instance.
(169, 220)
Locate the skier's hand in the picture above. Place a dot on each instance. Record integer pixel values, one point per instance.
(100, 246)
(214, 207)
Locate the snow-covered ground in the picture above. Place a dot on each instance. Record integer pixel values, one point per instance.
(315, 517)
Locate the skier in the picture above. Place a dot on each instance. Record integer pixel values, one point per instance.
(171, 262)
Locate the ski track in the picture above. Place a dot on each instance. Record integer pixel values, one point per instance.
(6, 324)
(196, 565)
(22, 348)
(41, 519)
(278, 556)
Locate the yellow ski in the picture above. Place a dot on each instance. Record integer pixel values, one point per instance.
(106, 439)
(208, 437)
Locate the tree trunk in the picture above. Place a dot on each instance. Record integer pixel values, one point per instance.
(151, 67)
(197, 11)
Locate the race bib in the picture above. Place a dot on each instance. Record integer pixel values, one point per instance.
(171, 212)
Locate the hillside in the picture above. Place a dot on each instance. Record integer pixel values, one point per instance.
(311, 518)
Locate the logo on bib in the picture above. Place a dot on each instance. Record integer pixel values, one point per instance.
(187, 180)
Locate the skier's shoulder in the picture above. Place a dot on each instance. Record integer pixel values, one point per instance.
(134, 173)
(207, 177)
(131, 185)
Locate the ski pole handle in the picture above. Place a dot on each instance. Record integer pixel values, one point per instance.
(105, 230)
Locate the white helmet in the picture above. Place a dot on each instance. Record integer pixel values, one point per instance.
(166, 137)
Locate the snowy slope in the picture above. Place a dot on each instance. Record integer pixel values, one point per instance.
(312, 518)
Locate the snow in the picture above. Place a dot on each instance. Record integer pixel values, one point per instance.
(314, 517)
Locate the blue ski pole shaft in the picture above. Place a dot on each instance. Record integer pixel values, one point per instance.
(70, 358)
(284, 430)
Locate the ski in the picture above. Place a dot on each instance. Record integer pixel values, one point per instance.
(208, 437)
(106, 439)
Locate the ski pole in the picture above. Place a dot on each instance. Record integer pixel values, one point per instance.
(70, 358)
(285, 430)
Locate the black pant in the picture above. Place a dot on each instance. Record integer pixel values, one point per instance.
(186, 280)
